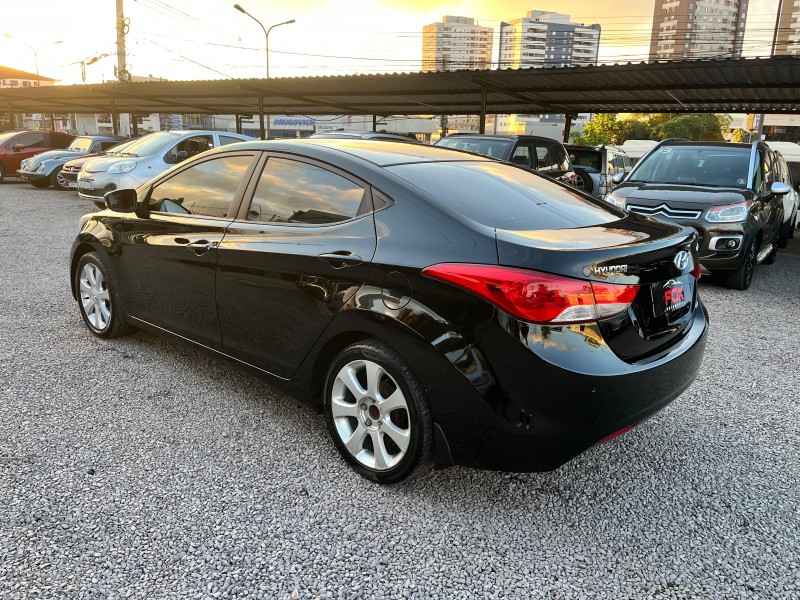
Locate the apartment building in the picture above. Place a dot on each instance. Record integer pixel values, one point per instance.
(456, 43)
(543, 38)
(789, 28)
(694, 29)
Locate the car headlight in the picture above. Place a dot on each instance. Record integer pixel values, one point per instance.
(617, 201)
(729, 213)
(122, 167)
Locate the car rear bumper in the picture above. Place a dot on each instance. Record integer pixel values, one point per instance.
(31, 176)
(554, 392)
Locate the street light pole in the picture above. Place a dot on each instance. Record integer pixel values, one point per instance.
(266, 44)
(35, 54)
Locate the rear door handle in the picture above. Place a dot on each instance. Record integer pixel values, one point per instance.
(341, 259)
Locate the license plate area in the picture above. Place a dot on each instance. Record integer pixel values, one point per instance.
(85, 185)
(671, 297)
(72, 184)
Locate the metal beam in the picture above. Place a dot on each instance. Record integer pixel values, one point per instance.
(482, 125)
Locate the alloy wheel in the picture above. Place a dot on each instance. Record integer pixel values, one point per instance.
(370, 414)
(95, 299)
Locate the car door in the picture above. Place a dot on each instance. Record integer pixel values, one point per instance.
(294, 256)
(168, 258)
(33, 142)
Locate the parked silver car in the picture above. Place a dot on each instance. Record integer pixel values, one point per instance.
(145, 158)
(594, 167)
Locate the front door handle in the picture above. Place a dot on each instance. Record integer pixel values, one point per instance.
(198, 246)
(341, 259)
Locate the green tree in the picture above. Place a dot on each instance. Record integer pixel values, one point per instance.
(691, 127)
(634, 129)
(602, 129)
(737, 135)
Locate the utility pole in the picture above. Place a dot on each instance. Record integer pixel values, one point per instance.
(123, 26)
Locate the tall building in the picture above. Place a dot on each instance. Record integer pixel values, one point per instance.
(544, 38)
(687, 29)
(789, 28)
(456, 43)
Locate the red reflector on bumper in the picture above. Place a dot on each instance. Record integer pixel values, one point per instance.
(617, 433)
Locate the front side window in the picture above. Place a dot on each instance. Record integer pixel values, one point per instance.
(30, 140)
(545, 161)
(205, 189)
(81, 144)
(291, 191)
(190, 146)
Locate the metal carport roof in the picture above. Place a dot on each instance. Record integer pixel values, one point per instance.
(729, 85)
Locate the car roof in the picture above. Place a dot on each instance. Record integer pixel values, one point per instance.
(501, 136)
(378, 152)
(709, 144)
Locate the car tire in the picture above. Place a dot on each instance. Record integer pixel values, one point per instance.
(743, 276)
(97, 299)
(40, 183)
(372, 398)
(583, 181)
(57, 181)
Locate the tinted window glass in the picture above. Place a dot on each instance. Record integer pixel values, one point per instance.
(545, 161)
(794, 172)
(224, 140)
(716, 166)
(588, 159)
(192, 146)
(501, 196)
(758, 180)
(107, 145)
(295, 192)
(522, 156)
(559, 155)
(206, 189)
(493, 148)
(30, 140)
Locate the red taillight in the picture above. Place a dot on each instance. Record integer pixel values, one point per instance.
(538, 297)
(696, 271)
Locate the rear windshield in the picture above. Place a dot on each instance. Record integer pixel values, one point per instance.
(588, 159)
(506, 197)
(492, 148)
(712, 166)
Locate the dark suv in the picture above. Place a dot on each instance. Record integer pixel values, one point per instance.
(731, 193)
(539, 154)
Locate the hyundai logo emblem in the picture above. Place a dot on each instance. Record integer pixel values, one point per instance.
(681, 260)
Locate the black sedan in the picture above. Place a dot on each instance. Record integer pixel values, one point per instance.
(437, 307)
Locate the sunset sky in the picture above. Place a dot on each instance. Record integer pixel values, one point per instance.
(209, 39)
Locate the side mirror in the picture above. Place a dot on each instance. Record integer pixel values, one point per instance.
(123, 201)
(18, 147)
(780, 189)
(618, 178)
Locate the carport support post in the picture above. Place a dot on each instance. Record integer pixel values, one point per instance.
(238, 123)
(482, 126)
(261, 115)
(567, 126)
(374, 122)
(134, 126)
(114, 122)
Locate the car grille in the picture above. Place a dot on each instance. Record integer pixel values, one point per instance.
(666, 211)
(70, 169)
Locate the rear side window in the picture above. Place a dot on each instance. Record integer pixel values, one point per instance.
(106, 145)
(224, 140)
(205, 189)
(290, 191)
(501, 196)
(522, 156)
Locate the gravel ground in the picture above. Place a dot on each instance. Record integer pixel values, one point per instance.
(142, 468)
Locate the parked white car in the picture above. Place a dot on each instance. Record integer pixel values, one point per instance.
(790, 153)
(145, 158)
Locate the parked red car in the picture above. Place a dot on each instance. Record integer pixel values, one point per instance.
(18, 145)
